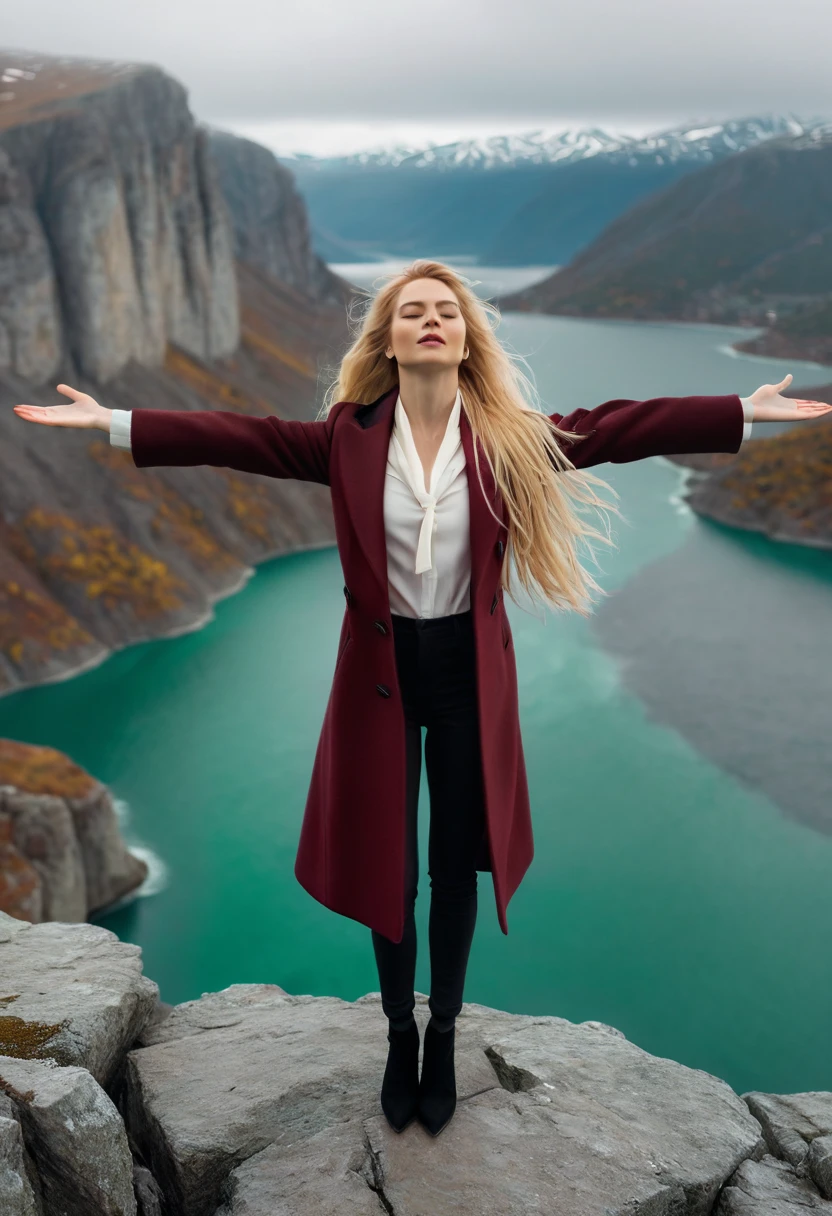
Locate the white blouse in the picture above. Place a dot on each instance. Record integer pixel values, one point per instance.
(428, 563)
(426, 527)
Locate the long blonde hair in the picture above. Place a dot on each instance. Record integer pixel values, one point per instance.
(519, 441)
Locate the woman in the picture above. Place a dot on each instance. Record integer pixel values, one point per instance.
(439, 471)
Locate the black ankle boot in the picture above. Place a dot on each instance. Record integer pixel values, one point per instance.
(437, 1084)
(400, 1087)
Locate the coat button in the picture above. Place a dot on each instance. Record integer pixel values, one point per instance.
(348, 595)
(380, 626)
(493, 605)
(500, 548)
(383, 689)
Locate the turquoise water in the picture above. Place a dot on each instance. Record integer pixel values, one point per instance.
(670, 896)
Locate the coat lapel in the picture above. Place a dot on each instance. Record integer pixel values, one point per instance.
(367, 440)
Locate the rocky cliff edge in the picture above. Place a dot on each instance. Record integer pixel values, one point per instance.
(253, 1100)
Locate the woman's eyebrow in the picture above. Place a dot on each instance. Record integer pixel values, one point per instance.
(407, 303)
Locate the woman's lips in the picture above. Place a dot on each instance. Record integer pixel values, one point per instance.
(431, 342)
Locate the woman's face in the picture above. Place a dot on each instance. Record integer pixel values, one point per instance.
(427, 329)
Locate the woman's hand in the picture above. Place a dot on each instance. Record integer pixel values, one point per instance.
(83, 412)
(769, 406)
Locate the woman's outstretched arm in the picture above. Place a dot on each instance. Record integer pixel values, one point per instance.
(275, 447)
(623, 430)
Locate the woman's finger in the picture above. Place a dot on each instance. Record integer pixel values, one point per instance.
(48, 414)
(69, 391)
(32, 412)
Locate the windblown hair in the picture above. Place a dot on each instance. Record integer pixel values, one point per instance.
(519, 440)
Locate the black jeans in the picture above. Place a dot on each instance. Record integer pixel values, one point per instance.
(435, 661)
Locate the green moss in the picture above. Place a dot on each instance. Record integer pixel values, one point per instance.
(27, 1040)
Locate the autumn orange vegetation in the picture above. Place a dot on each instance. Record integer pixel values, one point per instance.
(42, 770)
(109, 568)
(789, 473)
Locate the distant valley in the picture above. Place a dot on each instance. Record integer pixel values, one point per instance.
(746, 240)
(507, 201)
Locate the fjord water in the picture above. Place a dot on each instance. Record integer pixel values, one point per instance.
(677, 742)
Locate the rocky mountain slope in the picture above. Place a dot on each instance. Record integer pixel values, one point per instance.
(803, 334)
(127, 274)
(735, 243)
(256, 1101)
(743, 241)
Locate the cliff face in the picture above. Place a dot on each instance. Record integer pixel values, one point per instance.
(271, 226)
(119, 277)
(61, 852)
(117, 238)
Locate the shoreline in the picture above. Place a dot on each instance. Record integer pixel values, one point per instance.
(735, 349)
(192, 626)
(692, 478)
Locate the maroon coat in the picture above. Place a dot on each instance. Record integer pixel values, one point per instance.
(351, 854)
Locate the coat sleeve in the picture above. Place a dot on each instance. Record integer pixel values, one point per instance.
(275, 447)
(620, 431)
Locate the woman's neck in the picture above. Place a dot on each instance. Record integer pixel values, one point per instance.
(428, 400)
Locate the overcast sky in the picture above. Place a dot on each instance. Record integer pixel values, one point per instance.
(335, 75)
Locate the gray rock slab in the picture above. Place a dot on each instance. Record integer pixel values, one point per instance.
(798, 1128)
(508, 1153)
(818, 1164)
(330, 1174)
(263, 1102)
(75, 1137)
(770, 1188)
(790, 1122)
(688, 1127)
(501, 1153)
(73, 993)
(149, 1197)
(223, 1077)
(17, 1197)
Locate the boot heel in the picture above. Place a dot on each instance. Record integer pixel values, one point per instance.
(437, 1084)
(400, 1087)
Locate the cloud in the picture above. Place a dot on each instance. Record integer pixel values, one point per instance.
(645, 63)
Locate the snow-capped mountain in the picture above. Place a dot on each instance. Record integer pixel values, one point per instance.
(515, 200)
(695, 141)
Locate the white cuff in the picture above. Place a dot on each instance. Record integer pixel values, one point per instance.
(748, 415)
(120, 428)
